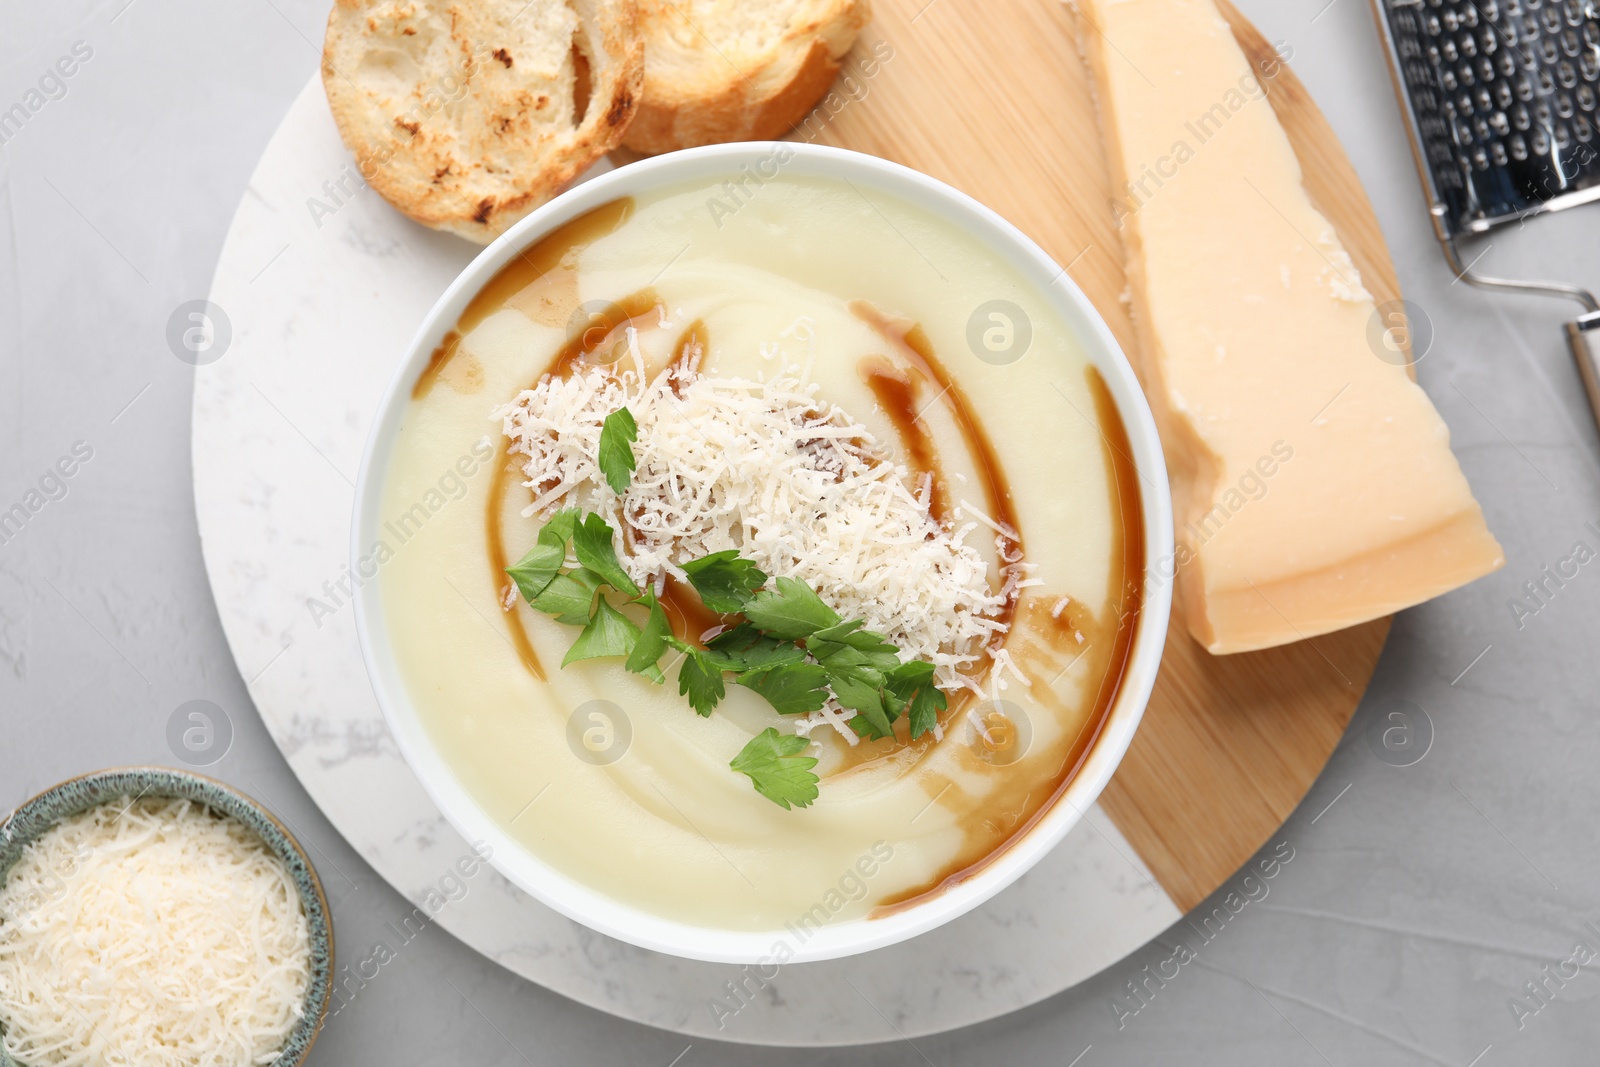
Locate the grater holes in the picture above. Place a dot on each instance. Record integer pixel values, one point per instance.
(1501, 91)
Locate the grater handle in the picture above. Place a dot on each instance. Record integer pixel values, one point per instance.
(1584, 336)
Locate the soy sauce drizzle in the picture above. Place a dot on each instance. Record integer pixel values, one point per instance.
(986, 837)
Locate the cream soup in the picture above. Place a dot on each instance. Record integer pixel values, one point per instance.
(614, 780)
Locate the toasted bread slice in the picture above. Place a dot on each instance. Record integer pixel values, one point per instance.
(737, 70)
(468, 115)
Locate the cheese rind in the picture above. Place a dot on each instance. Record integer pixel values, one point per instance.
(1313, 482)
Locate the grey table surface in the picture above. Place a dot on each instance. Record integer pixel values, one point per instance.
(1425, 906)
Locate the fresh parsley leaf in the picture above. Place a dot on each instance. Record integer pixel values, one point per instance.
(905, 678)
(926, 705)
(791, 688)
(591, 539)
(570, 597)
(616, 458)
(792, 610)
(724, 580)
(699, 679)
(861, 690)
(544, 561)
(744, 648)
(850, 635)
(776, 768)
(652, 642)
(609, 633)
(913, 683)
(847, 645)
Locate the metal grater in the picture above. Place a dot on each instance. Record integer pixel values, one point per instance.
(1502, 99)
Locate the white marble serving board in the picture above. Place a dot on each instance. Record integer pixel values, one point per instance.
(323, 284)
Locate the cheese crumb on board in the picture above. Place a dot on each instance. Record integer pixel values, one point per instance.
(1313, 482)
(792, 484)
(150, 933)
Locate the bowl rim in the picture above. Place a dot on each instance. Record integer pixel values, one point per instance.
(633, 925)
(319, 990)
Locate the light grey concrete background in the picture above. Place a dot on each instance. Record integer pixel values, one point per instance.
(1419, 901)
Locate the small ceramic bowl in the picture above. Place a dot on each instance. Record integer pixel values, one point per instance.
(34, 817)
(627, 923)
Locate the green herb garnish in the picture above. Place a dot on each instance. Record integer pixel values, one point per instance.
(775, 766)
(535, 570)
(790, 647)
(724, 581)
(792, 610)
(791, 688)
(652, 642)
(616, 459)
(699, 679)
(591, 540)
(609, 633)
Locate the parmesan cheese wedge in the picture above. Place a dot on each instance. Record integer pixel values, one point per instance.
(1313, 480)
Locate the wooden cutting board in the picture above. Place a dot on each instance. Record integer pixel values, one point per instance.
(994, 99)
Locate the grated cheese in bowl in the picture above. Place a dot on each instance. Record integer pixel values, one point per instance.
(794, 485)
(170, 937)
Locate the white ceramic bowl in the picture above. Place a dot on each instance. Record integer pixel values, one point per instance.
(631, 924)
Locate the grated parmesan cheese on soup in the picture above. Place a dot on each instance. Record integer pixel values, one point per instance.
(795, 486)
(151, 933)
